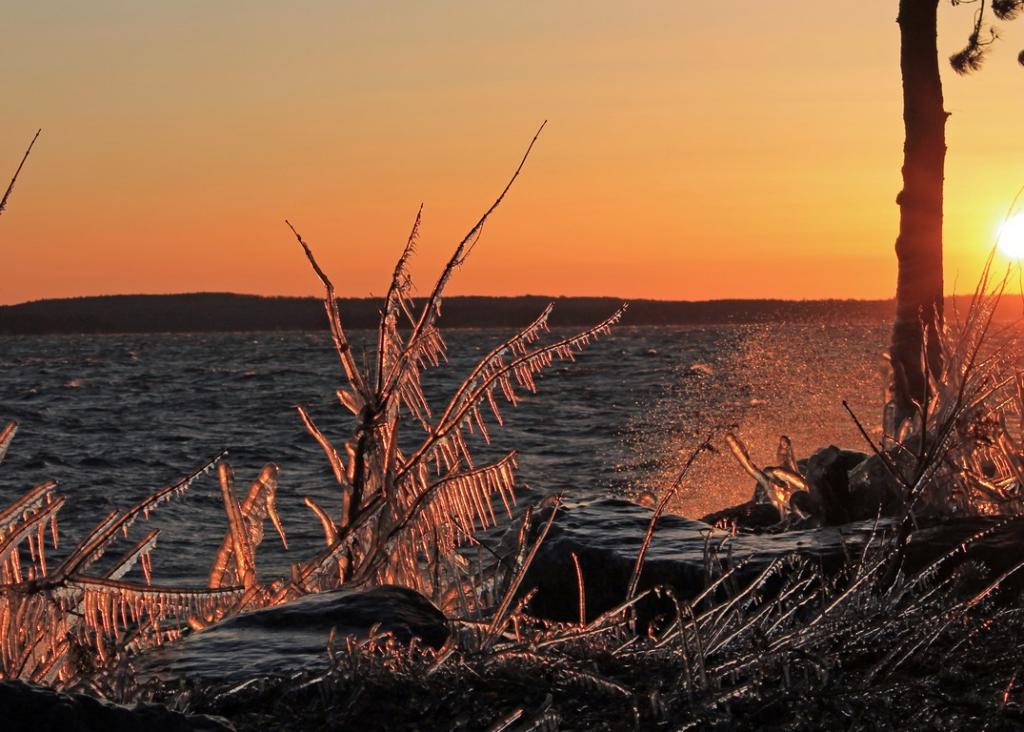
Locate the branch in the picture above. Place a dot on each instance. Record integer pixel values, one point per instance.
(341, 344)
(10, 186)
(516, 344)
(520, 366)
(458, 257)
(634, 579)
(382, 551)
(94, 544)
(395, 291)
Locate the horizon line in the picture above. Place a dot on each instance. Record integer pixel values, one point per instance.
(539, 296)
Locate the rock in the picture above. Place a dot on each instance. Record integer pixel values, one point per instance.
(827, 470)
(810, 505)
(872, 488)
(606, 536)
(830, 502)
(291, 637)
(824, 458)
(752, 515)
(37, 709)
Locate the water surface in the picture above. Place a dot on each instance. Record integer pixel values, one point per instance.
(114, 417)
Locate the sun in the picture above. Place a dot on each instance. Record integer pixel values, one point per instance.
(1011, 237)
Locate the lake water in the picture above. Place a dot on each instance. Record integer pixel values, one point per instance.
(114, 417)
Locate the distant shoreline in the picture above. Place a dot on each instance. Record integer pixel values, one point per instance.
(226, 312)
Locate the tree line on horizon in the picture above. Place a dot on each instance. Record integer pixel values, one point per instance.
(223, 312)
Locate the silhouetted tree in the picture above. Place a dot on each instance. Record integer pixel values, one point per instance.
(914, 349)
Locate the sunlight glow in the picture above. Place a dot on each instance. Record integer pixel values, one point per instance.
(1011, 237)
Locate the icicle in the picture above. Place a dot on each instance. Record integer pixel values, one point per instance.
(33, 503)
(241, 546)
(350, 400)
(41, 545)
(6, 437)
(15, 561)
(330, 532)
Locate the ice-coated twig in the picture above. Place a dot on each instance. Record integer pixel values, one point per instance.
(634, 578)
(17, 172)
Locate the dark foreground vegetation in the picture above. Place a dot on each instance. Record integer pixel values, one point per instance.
(816, 653)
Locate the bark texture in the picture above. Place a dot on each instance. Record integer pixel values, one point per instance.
(919, 245)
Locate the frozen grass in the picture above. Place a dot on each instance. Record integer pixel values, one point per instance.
(792, 649)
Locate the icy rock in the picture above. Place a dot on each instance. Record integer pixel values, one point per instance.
(873, 487)
(752, 515)
(827, 470)
(293, 637)
(606, 536)
(37, 709)
(830, 502)
(826, 459)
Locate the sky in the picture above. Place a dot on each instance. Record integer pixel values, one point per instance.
(693, 150)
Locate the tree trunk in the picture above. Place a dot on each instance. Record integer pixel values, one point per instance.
(919, 245)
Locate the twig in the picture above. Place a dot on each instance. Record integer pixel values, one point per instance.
(659, 509)
(10, 186)
(513, 587)
(582, 590)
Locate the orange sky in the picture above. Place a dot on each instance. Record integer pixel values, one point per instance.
(691, 152)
